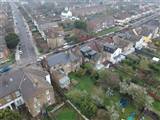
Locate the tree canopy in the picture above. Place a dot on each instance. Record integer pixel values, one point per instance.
(7, 114)
(109, 79)
(12, 40)
(79, 24)
(84, 102)
(138, 93)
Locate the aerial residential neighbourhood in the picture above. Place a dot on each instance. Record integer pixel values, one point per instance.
(79, 59)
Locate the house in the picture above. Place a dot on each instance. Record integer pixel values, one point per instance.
(30, 86)
(61, 64)
(112, 53)
(87, 10)
(53, 34)
(132, 35)
(66, 14)
(99, 23)
(91, 51)
(122, 17)
(3, 18)
(4, 51)
(61, 78)
(55, 37)
(146, 33)
(67, 61)
(126, 46)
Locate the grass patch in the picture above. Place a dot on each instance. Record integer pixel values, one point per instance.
(109, 101)
(50, 108)
(66, 113)
(11, 58)
(156, 105)
(107, 30)
(84, 83)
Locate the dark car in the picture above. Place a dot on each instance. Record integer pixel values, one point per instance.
(4, 69)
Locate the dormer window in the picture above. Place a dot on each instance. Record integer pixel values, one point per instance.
(17, 93)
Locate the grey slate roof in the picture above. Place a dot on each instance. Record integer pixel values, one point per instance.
(2, 40)
(10, 82)
(110, 48)
(92, 52)
(85, 49)
(61, 58)
(23, 80)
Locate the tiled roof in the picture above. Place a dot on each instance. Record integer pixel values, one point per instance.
(61, 58)
(30, 81)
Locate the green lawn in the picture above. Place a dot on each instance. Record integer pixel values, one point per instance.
(84, 83)
(109, 101)
(107, 30)
(66, 113)
(156, 105)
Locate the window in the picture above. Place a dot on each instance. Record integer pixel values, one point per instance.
(38, 104)
(7, 98)
(49, 102)
(48, 98)
(38, 110)
(35, 99)
(35, 106)
(17, 93)
(19, 102)
(47, 92)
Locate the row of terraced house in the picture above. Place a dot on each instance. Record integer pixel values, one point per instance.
(102, 52)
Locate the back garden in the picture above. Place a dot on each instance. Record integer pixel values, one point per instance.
(120, 91)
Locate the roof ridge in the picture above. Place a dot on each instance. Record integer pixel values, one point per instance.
(22, 80)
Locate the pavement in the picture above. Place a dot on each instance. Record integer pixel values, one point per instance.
(27, 46)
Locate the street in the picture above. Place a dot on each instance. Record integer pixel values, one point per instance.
(28, 54)
(27, 46)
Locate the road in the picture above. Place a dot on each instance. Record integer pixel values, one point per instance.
(144, 20)
(28, 55)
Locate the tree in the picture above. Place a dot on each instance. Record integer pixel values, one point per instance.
(109, 79)
(79, 24)
(81, 72)
(144, 62)
(72, 39)
(12, 40)
(102, 115)
(114, 113)
(138, 94)
(84, 102)
(7, 114)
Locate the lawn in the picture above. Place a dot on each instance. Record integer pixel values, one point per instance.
(66, 113)
(87, 83)
(107, 30)
(109, 101)
(156, 105)
(84, 83)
